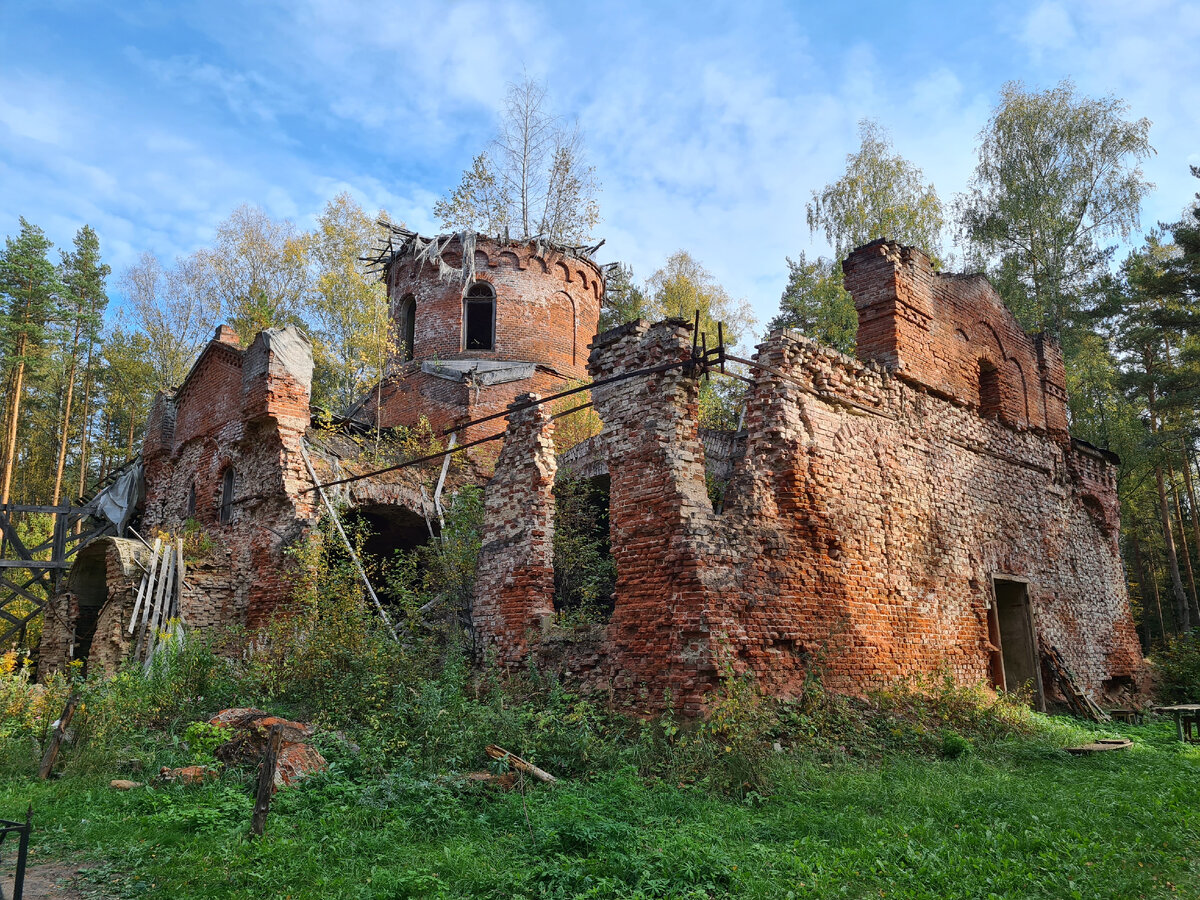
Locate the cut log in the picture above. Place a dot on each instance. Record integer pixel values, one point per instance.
(520, 765)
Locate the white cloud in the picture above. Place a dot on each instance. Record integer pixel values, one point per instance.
(708, 128)
(1048, 27)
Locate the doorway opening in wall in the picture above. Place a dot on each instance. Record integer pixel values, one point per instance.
(585, 576)
(1015, 662)
(87, 586)
(386, 531)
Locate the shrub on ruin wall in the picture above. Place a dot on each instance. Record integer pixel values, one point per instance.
(439, 576)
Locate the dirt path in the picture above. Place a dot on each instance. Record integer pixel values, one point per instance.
(46, 880)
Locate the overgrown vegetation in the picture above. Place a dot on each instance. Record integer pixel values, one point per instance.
(585, 575)
(925, 789)
(1178, 669)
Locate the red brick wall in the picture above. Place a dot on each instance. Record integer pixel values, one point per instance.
(448, 403)
(547, 305)
(862, 529)
(247, 410)
(935, 329)
(514, 581)
(863, 526)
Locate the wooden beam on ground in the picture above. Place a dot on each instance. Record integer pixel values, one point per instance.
(60, 734)
(520, 765)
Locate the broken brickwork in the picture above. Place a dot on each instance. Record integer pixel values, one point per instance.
(547, 306)
(953, 335)
(873, 506)
(514, 580)
(89, 618)
(243, 411)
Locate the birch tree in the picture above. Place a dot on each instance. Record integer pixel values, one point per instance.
(350, 309)
(533, 178)
(176, 317)
(881, 195)
(256, 272)
(1058, 175)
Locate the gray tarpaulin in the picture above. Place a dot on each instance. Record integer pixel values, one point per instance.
(286, 348)
(117, 502)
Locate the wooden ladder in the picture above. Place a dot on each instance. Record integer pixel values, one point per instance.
(1081, 704)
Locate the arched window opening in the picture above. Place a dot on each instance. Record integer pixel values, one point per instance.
(228, 484)
(408, 327)
(190, 512)
(479, 317)
(990, 396)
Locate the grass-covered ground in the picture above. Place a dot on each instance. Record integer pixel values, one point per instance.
(924, 789)
(1017, 819)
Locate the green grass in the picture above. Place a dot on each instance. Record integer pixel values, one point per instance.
(1018, 819)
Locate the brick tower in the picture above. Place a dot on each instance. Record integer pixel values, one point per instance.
(478, 321)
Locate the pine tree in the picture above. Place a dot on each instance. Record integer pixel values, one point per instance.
(29, 290)
(84, 300)
(817, 304)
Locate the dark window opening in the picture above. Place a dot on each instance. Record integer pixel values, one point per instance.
(585, 575)
(479, 317)
(391, 528)
(227, 487)
(1015, 663)
(990, 395)
(190, 511)
(408, 328)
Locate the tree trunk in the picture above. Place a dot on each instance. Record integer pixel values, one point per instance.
(1162, 627)
(1187, 557)
(1146, 582)
(1182, 610)
(1191, 492)
(87, 426)
(105, 457)
(66, 429)
(10, 439)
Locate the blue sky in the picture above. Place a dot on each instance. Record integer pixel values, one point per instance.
(709, 124)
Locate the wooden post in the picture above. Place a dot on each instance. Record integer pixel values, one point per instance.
(22, 853)
(60, 733)
(266, 781)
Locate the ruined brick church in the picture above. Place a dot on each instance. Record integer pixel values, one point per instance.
(918, 509)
